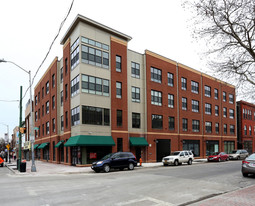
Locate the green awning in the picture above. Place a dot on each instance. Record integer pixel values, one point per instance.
(36, 145)
(43, 145)
(138, 141)
(59, 143)
(88, 140)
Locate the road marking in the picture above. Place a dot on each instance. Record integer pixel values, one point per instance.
(145, 199)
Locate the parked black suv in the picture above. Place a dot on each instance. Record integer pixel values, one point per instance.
(118, 160)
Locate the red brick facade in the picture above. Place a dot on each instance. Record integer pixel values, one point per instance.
(162, 139)
(246, 126)
(119, 48)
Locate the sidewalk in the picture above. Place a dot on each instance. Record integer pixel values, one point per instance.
(44, 168)
(244, 196)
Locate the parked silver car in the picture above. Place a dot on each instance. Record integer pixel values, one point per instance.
(248, 165)
(238, 154)
(178, 157)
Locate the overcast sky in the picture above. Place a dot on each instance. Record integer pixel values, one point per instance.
(28, 27)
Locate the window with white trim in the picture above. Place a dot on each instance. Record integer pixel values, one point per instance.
(156, 98)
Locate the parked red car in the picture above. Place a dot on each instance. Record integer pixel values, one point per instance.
(218, 157)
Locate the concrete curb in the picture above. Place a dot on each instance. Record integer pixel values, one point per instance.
(67, 170)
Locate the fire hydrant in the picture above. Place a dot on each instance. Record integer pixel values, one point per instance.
(140, 161)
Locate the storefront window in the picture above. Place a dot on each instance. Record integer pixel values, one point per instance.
(192, 145)
(212, 146)
(229, 146)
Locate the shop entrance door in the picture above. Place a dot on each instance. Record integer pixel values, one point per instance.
(163, 148)
(138, 153)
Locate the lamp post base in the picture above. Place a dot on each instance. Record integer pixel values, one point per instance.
(33, 168)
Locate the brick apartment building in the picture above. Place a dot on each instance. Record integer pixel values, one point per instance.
(102, 97)
(246, 126)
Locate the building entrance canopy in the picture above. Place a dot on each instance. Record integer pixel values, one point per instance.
(43, 145)
(88, 140)
(138, 141)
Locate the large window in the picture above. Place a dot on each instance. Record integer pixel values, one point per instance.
(61, 98)
(135, 94)
(62, 123)
(75, 116)
(47, 87)
(211, 147)
(75, 85)
(47, 127)
(53, 80)
(135, 70)
(229, 146)
(184, 83)
(136, 120)
(192, 145)
(195, 105)
(216, 110)
(208, 127)
(217, 128)
(171, 100)
(207, 91)
(225, 128)
(53, 125)
(53, 102)
(231, 114)
(156, 97)
(61, 75)
(95, 115)
(118, 90)
(156, 75)
(224, 112)
(94, 43)
(66, 119)
(231, 98)
(66, 91)
(224, 96)
(119, 118)
(94, 56)
(171, 123)
(170, 79)
(195, 125)
(208, 108)
(194, 87)
(184, 103)
(75, 58)
(184, 124)
(47, 107)
(232, 129)
(156, 121)
(118, 63)
(216, 94)
(95, 85)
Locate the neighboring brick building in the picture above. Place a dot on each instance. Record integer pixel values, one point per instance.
(246, 126)
(102, 97)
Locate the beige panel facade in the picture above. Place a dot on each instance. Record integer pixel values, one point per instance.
(136, 107)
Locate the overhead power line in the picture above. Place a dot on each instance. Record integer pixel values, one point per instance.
(60, 27)
(3, 100)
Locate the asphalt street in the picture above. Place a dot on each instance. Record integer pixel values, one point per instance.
(181, 185)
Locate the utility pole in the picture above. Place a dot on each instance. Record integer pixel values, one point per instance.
(20, 125)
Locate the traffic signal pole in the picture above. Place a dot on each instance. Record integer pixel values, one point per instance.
(20, 125)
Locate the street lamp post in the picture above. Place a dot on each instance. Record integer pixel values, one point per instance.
(31, 134)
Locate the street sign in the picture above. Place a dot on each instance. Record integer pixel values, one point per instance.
(8, 147)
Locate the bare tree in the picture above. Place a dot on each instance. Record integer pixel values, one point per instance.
(228, 27)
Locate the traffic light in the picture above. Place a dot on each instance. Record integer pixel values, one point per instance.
(23, 130)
